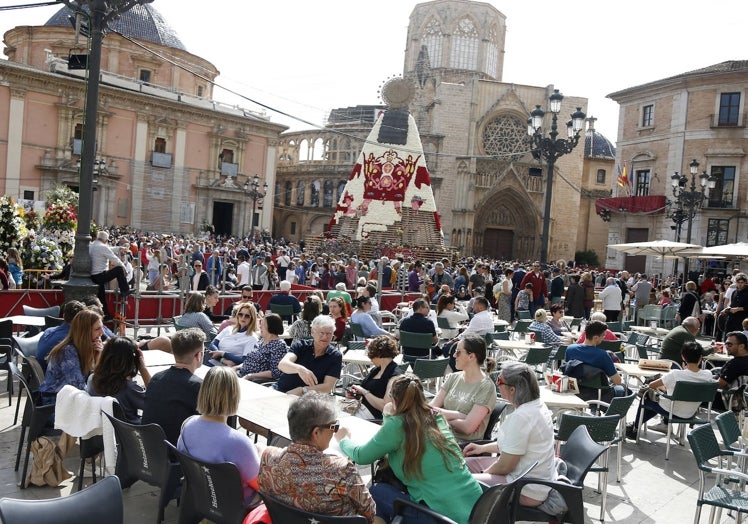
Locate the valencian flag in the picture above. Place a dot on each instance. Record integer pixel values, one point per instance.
(623, 178)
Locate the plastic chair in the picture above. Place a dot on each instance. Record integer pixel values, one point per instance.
(358, 331)
(618, 406)
(282, 310)
(729, 430)
(558, 356)
(284, 513)
(27, 345)
(6, 352)
(52, 311)
(211, 491)
(615, 327)
(412, 340)
(33, 421)
(685, 391)
(443, 323)
(603, 431)
(34, 375)
(101, 502)
(493, 505)
(572, 495)
(141, 455)
(177, 325)
(521, 326)
(667, 320)
(649, 313)
(580, 452)
(52, 321)
(427, 369)
(538, 357)
(524, 315)
(705, 448)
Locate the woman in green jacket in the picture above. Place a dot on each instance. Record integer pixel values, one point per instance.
(422, 453)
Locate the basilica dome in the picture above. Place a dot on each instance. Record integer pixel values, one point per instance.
(142, 22)
(597, 146)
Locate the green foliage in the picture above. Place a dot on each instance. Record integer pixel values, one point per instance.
(587, 258)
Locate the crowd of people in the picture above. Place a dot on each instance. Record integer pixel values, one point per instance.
(429, 444)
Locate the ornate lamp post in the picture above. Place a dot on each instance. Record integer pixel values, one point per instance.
(688, 201)
(99, 13)
(551, 148)
(252, 189)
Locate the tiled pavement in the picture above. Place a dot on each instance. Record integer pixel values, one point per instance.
(653, 490)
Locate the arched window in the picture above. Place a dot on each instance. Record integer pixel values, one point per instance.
(318, 153)
(465, 46)
(304, 151)
(432, 39)
(300, 188)
(287, 193)
(316, 186)
(492, 54)
(600, 176)
(327, 197)
(159, 146)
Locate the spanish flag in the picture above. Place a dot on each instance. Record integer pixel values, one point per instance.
(623, 178)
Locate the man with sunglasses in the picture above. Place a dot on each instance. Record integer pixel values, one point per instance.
(735, 372)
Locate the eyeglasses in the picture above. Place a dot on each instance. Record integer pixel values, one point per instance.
(500, 381)
(332, 426)
(243, 315)
(198, 265)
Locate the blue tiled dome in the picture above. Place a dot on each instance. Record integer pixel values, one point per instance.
(142, 22)
(597, 146)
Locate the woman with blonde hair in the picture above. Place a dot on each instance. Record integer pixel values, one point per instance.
(230, 346)
(422, 453)
(72, 360)
(208, 437)
(15, 265)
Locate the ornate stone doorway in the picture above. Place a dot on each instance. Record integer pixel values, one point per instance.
(507, 225)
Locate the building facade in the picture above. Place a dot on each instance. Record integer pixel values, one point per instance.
(489, 189)
(665, 125)
(168, 157)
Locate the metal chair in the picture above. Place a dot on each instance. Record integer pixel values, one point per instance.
(524, 315)
(33, 422)
(603, 431)
(618, 406)
(142, 455)
(538, 357)
(100, 502)
(650, 313)
(521, 326)
(667, 320)
(427, 369)
(211, 491)
(284, 513)
(284, 311)
(422, 341)
(685, 391)
(705, 448)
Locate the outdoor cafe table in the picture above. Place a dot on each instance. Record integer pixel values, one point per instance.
(647, 330)
(25, 320)
(633, 370)
(515, 348)
(561, 401)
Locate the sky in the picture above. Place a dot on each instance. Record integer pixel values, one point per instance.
(306, 58)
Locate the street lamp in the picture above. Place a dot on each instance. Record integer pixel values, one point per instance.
(688, 201)
(99, 14)
(551, 149)
(252, 189)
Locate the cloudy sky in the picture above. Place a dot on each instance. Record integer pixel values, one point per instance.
(305, 58)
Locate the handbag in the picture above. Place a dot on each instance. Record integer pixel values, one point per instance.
(47, 468)
(383, 473)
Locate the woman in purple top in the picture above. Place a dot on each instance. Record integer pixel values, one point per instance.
(208, 437)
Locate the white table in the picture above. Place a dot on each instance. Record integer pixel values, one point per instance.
(633, 370)
(515, 348)
(25, 320)
(654, 332)
(556, 401)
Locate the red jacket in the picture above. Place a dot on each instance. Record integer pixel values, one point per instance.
(539, 286)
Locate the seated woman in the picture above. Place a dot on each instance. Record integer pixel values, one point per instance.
(339, 313)
(375, 388)
(211, 300)
(261, 364)
(691, 356)
(194, 315)
(422, 453)
(543, 332)
(113, 376)
(301, 329)
(556, 321)
(231, 345)
(467, 397)
(303, 475)
(609, 335)
(447, 307)
(362, 318)
(71, 361)
(208, 437)
(524, 437)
